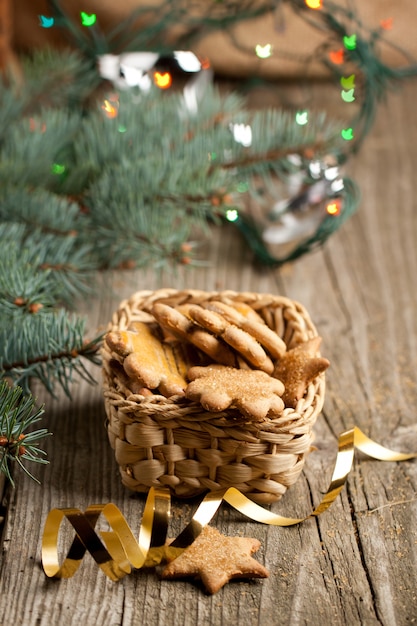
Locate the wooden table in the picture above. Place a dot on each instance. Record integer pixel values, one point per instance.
(356, 563)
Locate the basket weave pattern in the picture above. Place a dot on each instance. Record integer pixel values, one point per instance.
(176, 443)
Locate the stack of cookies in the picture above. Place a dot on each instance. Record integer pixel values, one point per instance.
(186, 365)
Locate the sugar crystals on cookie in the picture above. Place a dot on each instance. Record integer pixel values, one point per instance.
(298, 368)
(216, 559)
(253, 392)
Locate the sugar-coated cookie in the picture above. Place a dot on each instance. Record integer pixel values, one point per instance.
(253, 392)
(298, 368)
(215, 559)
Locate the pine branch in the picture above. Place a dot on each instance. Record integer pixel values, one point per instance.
(129, 194)
(41, 209)
(30, 258)
(42, 142)
(67, 81)
(22, 288)
(48, 345)
(18, 442)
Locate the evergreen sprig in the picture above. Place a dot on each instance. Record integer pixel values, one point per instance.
(69, 80)
(29, 258)
(18, 441)
(131, 190)
(48, 345)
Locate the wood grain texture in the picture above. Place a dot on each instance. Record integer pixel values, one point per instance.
(355, 564)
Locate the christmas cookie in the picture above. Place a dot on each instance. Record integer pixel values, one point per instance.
(148, 361)
(244, 309)
(121, 378)
(298, 368)
(173, 320)
(242, 342)
(256, 327)
(253, 392)
(216, 559)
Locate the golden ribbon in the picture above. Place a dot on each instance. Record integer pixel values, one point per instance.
(117, 551)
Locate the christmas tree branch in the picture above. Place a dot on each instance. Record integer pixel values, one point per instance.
(47, 345)
(18, 442)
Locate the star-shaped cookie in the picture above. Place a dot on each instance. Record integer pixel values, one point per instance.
(216, 559)
(298, 367)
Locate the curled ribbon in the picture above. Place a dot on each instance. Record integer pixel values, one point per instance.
(117, 551)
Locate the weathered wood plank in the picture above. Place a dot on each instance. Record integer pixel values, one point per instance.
(355, 564)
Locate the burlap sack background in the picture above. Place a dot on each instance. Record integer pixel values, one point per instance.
(296, 39)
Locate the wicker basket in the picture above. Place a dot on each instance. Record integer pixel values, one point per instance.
(175, 443)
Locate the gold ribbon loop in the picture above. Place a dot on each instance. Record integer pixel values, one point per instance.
(85, 539)
(121, 551)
